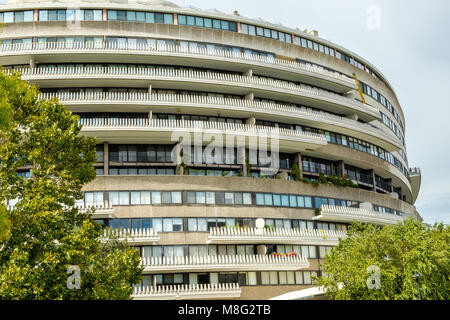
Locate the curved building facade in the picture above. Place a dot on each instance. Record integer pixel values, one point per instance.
(232, 153)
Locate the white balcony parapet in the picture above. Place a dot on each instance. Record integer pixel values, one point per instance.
(415, 172)
(187, 292)
(252, 106)
(222, 263)
(102, 211)
(348, 214)
(164, 74)
(148, 49)
(275, 235)
(133, 236)
(205, 126)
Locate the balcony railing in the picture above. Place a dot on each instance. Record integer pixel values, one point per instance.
(415, 172)
(360, 177)
(188, 292)
(193, 75)
(348, 214)
(133, 236)
(219, 103)
(275, 235)
(109, 47)
(222, 263)
(102, 211)
(383, 185)
(199, 126)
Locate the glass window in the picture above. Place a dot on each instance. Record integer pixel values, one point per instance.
(182, 19)
(247, 197)
(176, 197)
(293, 201)
(217, 24)
(268, 199)
(156, 197)
(145, 197)
(202, 225)
(114, 198)
(131, 15)
(166, 198)
(199, 21)
(308, 202)
(159, 17)
(200, 197)
(135, 198)
(229, 198)
(43, 15)
(124, 198)
(207, 22)
(149, 17)
(192, 224)
(157, 224)
(177, 224)
(140, 16)
(285, 200)
(259, 199)
(252, 30)
(168, 18)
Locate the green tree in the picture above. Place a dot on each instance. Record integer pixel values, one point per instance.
(399, 252)
(47, 234)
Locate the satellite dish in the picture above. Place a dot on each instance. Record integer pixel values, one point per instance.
(260, 223)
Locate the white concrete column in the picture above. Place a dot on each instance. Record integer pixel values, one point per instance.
(106, 158)
(149, 89)
(251, 121)
(241, 156)
(250, 96)
(248, 73)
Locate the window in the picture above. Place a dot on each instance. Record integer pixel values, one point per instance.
(43, 15)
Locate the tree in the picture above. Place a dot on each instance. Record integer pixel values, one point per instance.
(398, 252)
(47, 234)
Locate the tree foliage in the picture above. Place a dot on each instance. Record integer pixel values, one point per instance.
(399, 252)
(47, 234)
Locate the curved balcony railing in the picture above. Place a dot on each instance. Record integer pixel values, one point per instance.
(187, 291)
(133, 236)
(415, 172)
(164, 74)
(348, 214)
(190, 125)
(222, 263)
(102, 211)
(275, 235)
(221, 103)
(109, 47)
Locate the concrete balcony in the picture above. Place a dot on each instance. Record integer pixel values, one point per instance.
(188, 292)
(349, 215)
(155, 265)
(135, 237)
(162, 131)
(176, 55)
(275, 236)
(415, 178)
(135, 102)
(102, 211)
(200, 80)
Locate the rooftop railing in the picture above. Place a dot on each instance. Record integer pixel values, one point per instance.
(22, 48)
(223, 263)
(275, 235)
(187, 291)
(191, 75)
(415, 171)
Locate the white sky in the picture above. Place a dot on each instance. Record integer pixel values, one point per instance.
(411, 48)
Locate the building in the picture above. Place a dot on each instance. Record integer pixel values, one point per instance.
(214, 131)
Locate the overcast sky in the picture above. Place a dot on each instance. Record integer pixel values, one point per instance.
(411, 48)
